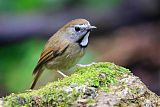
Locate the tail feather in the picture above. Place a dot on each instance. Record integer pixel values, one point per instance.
(37, 75)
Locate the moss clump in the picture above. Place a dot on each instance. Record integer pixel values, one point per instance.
(66, 91)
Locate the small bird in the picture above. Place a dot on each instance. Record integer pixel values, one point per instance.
(64, 48)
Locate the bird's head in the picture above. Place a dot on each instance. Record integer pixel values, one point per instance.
(77, 31)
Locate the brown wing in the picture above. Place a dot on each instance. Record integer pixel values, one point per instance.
(47, 55)
(50, 53)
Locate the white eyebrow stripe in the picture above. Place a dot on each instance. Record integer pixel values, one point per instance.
(82, 26)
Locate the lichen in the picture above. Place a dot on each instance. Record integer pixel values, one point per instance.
(83, 84)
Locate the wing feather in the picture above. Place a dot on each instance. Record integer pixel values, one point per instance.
(47, 55)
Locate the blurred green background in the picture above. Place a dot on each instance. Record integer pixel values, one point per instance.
(122, 25)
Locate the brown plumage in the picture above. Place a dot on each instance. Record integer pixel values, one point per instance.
(64, 48)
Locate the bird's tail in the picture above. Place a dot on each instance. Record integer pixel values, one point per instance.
(37, 75)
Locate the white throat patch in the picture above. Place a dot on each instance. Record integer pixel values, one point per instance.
(85, 40)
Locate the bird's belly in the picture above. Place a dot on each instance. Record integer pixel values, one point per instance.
(67, 60)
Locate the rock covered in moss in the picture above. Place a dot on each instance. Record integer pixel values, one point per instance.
(99, 84)
(130, 92)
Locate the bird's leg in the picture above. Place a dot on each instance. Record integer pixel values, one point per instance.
(62, 73)
(80, 65)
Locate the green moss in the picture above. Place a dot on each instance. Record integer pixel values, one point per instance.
(62, 93)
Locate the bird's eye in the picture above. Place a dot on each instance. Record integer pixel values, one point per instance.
(77, 29)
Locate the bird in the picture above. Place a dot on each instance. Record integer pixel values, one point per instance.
(64, 49)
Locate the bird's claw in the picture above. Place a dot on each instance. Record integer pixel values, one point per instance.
(62, 73)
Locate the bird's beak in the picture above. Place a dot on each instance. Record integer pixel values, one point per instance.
(91, 27)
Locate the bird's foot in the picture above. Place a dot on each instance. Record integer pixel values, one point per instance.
(80, 65)
(62, 73)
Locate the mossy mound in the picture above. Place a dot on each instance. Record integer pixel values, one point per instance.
(66, 91)
(98, 84)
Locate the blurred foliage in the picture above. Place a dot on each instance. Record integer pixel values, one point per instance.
(17, 63)
(30, 5)
(26, 5)
(101, 4)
